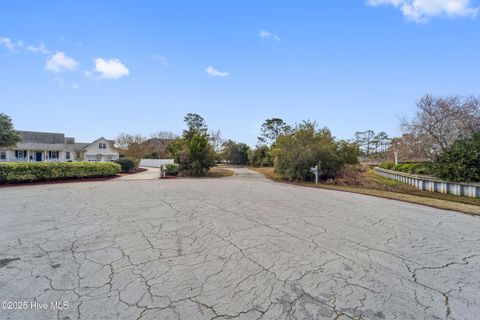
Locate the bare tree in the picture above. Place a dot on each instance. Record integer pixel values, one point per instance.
(164, 135)
(134, 146)
(407, 147)
(216, 140)
(441, 121)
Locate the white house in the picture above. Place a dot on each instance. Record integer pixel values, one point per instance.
(47, 146)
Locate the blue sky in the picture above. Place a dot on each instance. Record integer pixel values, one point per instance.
(98, 68)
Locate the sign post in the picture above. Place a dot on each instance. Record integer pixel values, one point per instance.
(314, 170)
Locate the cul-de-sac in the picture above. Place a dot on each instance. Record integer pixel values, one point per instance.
(239, 160)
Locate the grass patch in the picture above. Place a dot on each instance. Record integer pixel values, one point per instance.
(368, 183)
(217, 172)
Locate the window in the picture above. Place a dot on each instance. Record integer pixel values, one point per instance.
(20, 154)
(3, 155)
(102, 145)
(78, 155)
(53, 154)
(67, 155)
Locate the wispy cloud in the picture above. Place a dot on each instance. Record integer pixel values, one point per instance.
(110, 69)
(161, 59)
(59, 62)
(422, 10)
(267, 35)
(41, 48)
(216, 73)
(9, 44)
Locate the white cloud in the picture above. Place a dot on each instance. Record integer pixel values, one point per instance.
(9, 44)
(110, 69)
(421, 10)
(41, 48)
(59, 62)
(267, 35)
(216, 73)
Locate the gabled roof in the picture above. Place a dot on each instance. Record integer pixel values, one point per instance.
(96, 141)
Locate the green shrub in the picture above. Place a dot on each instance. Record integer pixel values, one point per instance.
(387, 165)
(172, 169)
(303, 148)
(126, 164)
(460, 162)
(266, 162)
(235, 153)
(44, 171)
(412, 168)
(348, 151)
(195, 155)
(260, 157)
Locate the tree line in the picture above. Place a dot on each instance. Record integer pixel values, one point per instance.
(444, 132)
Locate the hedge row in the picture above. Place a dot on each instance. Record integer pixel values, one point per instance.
(44, 171)
(413, 168)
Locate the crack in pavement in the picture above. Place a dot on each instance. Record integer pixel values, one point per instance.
(236, 248)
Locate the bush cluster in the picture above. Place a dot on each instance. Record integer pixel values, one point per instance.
(194, 155)
(412, 168)
(11, 172)
(172, 169)
(306, 146)
(460, 162)
(260, 157)
(126, 164)
(235, 153)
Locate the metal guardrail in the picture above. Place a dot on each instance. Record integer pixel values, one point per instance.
(420, 182)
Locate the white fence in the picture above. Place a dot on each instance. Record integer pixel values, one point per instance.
(457, 188)
(154, 163)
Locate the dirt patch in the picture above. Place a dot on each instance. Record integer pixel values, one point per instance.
(219, 173)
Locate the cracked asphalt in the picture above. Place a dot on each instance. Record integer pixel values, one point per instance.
(232, 248)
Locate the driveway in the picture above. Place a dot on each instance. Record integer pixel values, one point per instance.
(149, 174)
(231, 248)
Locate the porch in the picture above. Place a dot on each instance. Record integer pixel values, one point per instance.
(38, 156)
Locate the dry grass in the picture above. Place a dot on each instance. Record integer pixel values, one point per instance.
(365, 181)
(217, 172)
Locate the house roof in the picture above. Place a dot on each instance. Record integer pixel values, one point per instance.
(42, 137)
(52, 141)
(94, 142)
(79, 146)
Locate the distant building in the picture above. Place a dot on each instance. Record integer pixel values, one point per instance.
(55, 147)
